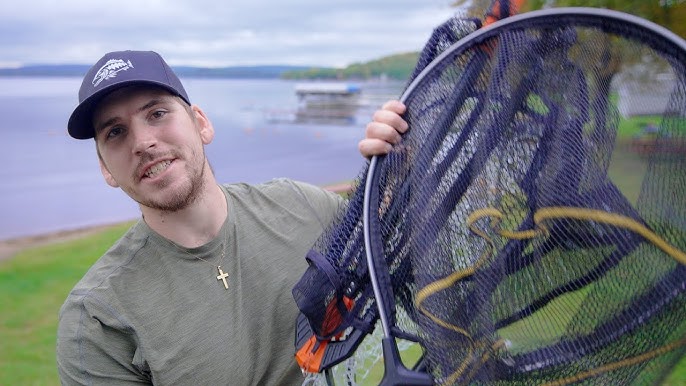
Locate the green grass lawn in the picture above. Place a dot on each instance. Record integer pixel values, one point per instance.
(33, 285)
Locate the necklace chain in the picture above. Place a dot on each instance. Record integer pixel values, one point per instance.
(221, 259)
(222, 275)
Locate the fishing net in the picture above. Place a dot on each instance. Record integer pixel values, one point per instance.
(530, 228)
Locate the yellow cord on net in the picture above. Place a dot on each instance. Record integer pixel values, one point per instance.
(617, 365)
(611, 219)
(540, 216)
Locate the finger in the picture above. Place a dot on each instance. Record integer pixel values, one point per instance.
(371, 146)
(382, 131)
(394, 105)
(391, 119)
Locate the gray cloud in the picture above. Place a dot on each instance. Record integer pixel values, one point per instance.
(217, 33)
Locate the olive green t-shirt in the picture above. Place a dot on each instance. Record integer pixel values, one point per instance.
(150, 311)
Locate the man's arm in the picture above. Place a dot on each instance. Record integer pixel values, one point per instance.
(384, 130)
(93, 348)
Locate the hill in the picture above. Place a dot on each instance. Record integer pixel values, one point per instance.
(394, 67)
(398, 67)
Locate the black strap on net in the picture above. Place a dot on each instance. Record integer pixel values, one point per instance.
(531, 226)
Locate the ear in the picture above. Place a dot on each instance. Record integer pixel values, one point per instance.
(204, 125)
(107, 175)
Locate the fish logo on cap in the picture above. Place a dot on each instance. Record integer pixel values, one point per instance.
(110, 70)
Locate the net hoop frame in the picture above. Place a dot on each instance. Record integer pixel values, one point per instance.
(583, 16)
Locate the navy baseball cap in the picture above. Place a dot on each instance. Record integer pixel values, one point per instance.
(116, 70)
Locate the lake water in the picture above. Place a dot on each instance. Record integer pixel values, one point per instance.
(50, 182)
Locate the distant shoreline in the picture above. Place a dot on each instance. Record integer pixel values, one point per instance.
(78, 70)
(10, 247)
(397, 66)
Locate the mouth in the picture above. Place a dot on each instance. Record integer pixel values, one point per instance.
(156, 169)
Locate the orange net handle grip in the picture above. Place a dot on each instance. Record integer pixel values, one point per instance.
(496, 12)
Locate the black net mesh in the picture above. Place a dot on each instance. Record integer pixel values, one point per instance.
(532, 223)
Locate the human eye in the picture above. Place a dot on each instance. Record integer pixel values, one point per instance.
(158, 114)
(114, 132)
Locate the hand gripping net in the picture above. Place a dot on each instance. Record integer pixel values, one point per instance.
(531, 226)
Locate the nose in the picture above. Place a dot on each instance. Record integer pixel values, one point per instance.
(143, 138)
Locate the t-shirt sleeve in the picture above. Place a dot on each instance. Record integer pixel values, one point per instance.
(323, 204)
(93, 346)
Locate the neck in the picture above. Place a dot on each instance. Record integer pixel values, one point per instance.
(194, 225)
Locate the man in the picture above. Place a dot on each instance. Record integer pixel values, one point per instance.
(199, 290)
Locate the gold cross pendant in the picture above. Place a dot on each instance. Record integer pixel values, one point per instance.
(222, 276)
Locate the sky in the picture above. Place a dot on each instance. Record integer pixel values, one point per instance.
(217, 33)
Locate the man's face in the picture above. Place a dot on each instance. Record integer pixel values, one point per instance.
(152, 146)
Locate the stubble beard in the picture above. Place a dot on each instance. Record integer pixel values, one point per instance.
(184, 195)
